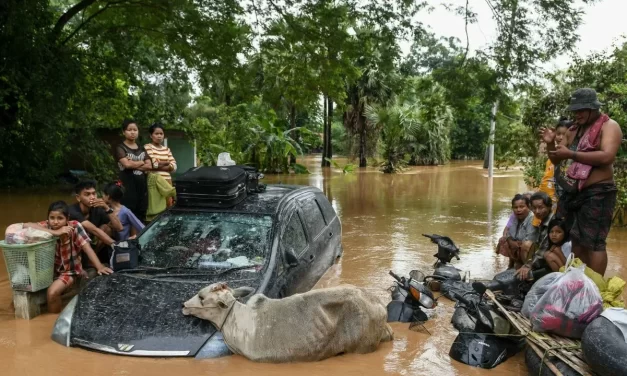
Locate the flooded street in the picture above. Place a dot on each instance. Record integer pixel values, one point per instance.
(383, 217)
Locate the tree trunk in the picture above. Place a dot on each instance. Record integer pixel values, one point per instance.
(325, 135)
(362, 140)
(329, 127)
(292, 126)
(254, 158)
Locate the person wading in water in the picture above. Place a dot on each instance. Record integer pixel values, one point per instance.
(587, 177)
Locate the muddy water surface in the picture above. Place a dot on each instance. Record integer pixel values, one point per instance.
(383, 217)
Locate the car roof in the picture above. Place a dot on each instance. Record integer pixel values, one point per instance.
(267, 202)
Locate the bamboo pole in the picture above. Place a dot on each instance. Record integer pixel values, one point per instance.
(552, 344)
(546, 361)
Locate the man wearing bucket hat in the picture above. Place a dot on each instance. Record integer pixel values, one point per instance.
(586, 175)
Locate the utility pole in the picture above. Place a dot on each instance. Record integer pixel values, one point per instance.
(491, 139)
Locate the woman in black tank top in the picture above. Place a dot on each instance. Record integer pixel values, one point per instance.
(133, 162)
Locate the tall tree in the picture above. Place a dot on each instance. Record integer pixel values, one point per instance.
(375, 86)
(469, 84)
(530, 33)
(70, 66)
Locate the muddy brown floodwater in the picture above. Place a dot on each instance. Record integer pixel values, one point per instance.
(383, 217)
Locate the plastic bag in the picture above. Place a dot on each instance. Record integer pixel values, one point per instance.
(14, 234)
(594, 276)
(537, 292)
(35, 236)
(568, 306)
(224, 159)
(17, 234)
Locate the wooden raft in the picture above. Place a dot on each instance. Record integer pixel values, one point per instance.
(565, 349)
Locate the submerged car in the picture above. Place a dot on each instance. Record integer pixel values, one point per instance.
(278, 242)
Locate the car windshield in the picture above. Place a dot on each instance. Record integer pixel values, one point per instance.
(206, 241)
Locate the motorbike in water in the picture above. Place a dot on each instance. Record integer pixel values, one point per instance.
(409, 298)
(448, 280)
(447, 250)
(512, 289)
(479, 342)
(445, 277)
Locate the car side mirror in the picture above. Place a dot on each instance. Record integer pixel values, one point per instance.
(290, 258)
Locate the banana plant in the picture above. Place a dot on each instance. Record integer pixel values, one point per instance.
(346, 169)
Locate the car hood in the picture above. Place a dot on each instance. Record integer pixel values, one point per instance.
(135, 315)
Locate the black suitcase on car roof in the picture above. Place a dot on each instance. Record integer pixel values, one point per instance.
(213, 186)
(252, 179)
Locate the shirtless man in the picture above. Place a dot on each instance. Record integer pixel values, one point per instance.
(588, 207)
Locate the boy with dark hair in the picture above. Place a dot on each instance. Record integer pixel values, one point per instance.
(94, 214)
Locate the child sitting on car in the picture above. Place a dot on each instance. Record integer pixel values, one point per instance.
(67, 258)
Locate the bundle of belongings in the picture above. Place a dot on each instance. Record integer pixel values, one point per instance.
(570, 303)
(17, 234)
(565, 302)
(611, 289)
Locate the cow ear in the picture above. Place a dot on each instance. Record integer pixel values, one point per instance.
(242, 292)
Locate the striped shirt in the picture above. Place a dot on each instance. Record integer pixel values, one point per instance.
(161, 154)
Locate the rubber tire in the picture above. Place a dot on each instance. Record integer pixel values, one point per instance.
(533, 365)
(604, 347)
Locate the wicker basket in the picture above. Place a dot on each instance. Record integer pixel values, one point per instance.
(30, 266)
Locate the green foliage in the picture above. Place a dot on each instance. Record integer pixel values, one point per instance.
(378, 82)
(251, 133)
(533, 171)
(94, 155)
(606, 73)
(71, 67)
(430, 144)
(346, 169)
(299, 169)
(514, 144)
(620, 177)
(532, 32)
(341, 141)
(397, 124)
(418, 124)
(468, 85)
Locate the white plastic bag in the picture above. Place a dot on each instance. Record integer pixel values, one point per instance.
(537, 292)
(14, 234)
(568, 306)
(35, 236)
(17, 234)
(224, 159)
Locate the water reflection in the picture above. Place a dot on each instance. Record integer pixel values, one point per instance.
(383, 217)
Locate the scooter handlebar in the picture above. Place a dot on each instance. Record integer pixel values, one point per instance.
(395, 277)
(462, 299)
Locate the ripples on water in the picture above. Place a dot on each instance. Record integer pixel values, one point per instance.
(383, 217)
